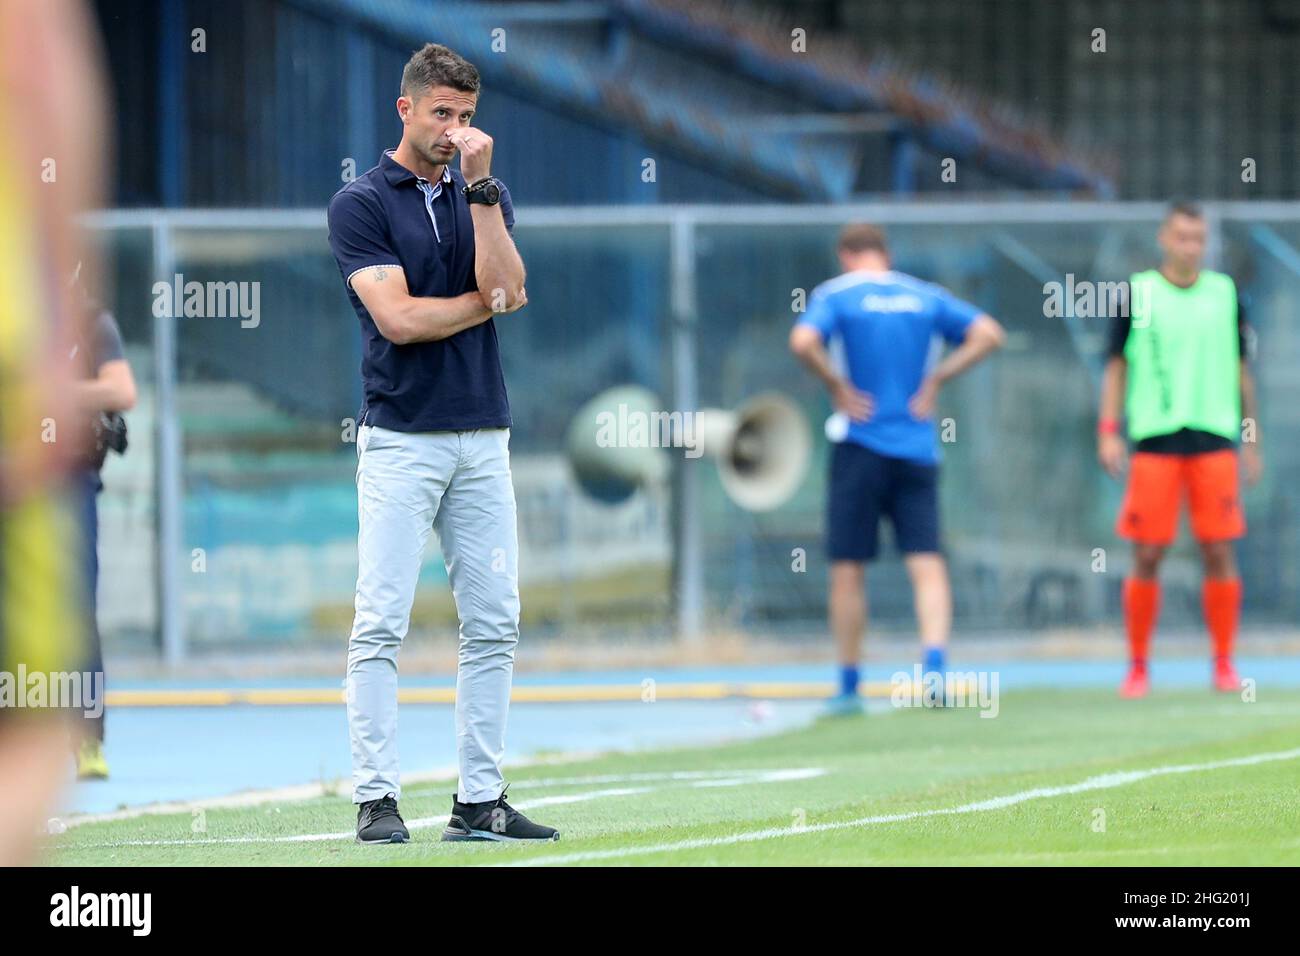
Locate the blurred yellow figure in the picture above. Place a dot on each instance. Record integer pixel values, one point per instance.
(51, 159)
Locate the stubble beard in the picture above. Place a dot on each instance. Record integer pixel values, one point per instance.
(436, 157)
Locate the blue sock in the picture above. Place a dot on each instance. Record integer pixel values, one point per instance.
(848, 680)
(933, 660)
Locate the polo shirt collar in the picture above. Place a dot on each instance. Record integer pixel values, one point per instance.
(396, 173)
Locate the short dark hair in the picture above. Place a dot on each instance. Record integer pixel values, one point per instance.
(862, 237)
(436, 65)
(1184, 208)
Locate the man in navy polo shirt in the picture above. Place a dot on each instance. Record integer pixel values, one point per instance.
(427, 257)
(889, 327)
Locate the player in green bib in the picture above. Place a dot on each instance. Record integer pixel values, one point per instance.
(1177, 365)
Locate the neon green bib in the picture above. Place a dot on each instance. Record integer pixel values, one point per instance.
(1184, 366)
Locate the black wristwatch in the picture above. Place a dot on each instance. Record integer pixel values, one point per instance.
(485, 191)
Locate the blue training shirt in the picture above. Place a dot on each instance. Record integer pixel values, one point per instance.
(888, 327)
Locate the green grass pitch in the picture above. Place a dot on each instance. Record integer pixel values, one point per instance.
(1073, 777)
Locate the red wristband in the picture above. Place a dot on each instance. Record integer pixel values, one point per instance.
(1107, 426)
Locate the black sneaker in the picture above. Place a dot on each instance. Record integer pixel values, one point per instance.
(379, 822)
(493, 820)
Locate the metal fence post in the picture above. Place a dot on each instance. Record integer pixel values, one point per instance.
(1213, 235)
(688, 562)
(167, 454)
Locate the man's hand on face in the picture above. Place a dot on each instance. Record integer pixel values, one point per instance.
(475, 152)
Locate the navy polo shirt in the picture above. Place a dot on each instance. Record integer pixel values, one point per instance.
(388, 216)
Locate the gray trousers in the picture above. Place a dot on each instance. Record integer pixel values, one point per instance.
(458, 484)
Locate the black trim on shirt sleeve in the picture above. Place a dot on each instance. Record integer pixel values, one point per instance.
(1245, 333)
(1121, 323)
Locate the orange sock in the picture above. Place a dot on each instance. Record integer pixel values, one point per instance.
(1141, 607)
(1221, 599)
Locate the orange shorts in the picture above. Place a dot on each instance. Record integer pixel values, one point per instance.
(1156, 485)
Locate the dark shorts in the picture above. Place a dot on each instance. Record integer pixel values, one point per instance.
(864, 486)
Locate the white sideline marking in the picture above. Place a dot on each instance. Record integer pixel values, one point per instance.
(1102, 782)
(309, 791)
(797, 773)
(1239, 710)
(312, 791)
(691, 778)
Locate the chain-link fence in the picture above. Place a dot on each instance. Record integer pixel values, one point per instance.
(232, 520)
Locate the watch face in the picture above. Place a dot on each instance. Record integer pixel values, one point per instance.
(492, 193)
